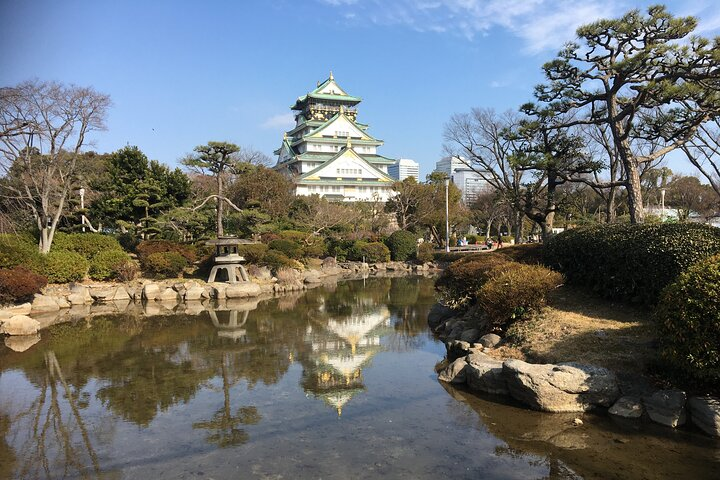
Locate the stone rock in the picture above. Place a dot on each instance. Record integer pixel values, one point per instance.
(457, 349)
(454, 373)
(329, 262)
(218, 290)
(103, 293)
(167, 296)
(490, 340)
(567, 387)
(44, 303)
(22, 309)
(457, 329)
(120, 295)
(20, 343)
(241, 290)
(150, 291)
(485, 374)
(179, 288)
(469, 335)
(627, 407)
(63, 302)
(438, 314)
(20, 325)
(80, 295)
(667, 407)
(705, 414)
(312, 276)
(195, 292)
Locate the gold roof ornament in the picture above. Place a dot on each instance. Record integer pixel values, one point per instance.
(331, 76)
(348, 145)
(342, 109)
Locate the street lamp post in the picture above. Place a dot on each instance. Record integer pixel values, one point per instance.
(82, 207)
(447, 215)
(662, 203)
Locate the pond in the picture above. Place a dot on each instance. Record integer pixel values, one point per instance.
(337, 382)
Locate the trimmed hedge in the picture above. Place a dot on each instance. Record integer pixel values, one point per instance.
(107, 264)
(289, 248)
(630, 262)
(275, 261)
(402, 245)
(63, 266)
(20, 250)
(18, 284)
(370, 252)
(425, 252)
(164, 264)
(688, 318)
(86, 244)
(149, 247)
(253, 252)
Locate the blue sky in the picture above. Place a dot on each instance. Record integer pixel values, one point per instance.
(181, 73)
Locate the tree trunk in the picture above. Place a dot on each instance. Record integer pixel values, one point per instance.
(219, 219)
(610, 213)
(635, 201)
(518, 227)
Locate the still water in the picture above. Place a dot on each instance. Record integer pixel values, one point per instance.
(335, 383)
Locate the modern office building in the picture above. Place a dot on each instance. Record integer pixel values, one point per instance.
(470, 182)
(329, 152)
(404, 168)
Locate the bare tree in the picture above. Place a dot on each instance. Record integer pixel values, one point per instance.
(703, 151)
(43, 128)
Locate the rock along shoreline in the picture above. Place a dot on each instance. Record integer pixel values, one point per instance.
(562, 387)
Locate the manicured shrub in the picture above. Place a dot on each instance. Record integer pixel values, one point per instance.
(529, 253)
(459, 282)
(471, 239)
(19, 284)
(630, 262)
(688, 318)
(317, 248)
(128, 241)
(253, 252)
(402, 245)
(340, 248)
(105, 265)
(289, 248)
(276, 260)
(148, 247)
(63, 266)
(448, 256)
(293, 235)
(20, 250)
(164, 264)
(369, 252)
(514, 289)
(86, 244)
(127, 271)
(425, 252)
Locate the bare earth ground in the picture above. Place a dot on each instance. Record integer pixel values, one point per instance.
(579, 327)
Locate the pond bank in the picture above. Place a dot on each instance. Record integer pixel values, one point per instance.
(576, 366)
(69, 302)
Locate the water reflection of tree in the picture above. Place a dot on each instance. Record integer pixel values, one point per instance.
(53, 423)
(224, 427)
(408, 302)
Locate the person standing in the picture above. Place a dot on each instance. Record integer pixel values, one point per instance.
(499, 242)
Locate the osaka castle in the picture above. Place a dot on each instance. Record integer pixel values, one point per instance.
(329, 153)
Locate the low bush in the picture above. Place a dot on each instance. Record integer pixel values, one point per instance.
(448, 256)
(630, 262)
(513, 290)
(149, 247)
(529, 253)
(317, 248)
(253, 252)
(289, 248)
(471, 239)
(19, 250)
(19, 284)
(293, 235)
(425, 252)
(369, 252)
(127, 271)
(106, 264)
(402, 245)
(688, 318)
(167, 264)
(459, 282)
(128, 241)
(63, 266)
(86, 244)
(340, 249)
(275, 260)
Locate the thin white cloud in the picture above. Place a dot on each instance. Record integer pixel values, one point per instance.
(280, 121)
(542, 25)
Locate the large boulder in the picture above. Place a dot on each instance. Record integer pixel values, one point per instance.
(438, 314)
(705, 414)
(457, 349)
(168, 296)
(80, 295)
(312, 276)
(485, 374)
(44, 303)
(490, 340)
(150, 291)
(469, 335)
(242, 290)
(627, 407)
(567, 387)
(667, 407)
(22, 309)
(454, 373)
(195, 292)
(20, 325)
(20, 343)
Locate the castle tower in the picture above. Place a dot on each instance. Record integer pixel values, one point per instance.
(329, 153)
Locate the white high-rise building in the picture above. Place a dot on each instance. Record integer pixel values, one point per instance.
(470, 183)
(404, 168)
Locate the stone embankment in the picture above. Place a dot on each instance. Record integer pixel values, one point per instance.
(62, 303)
(564, 387)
